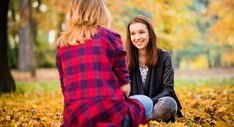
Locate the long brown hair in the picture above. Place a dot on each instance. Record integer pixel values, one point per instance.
(83, 18)
(151, 49)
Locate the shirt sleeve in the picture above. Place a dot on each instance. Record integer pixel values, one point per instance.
(120, 62)
(60, 71)
(168, 76)
(168, 79)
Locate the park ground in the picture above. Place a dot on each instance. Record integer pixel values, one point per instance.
(52, 74)
(207, 98)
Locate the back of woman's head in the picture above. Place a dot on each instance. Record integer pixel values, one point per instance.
(83, 18)
(151, 49)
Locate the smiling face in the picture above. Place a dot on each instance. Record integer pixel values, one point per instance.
(141, 41)
(139, 35)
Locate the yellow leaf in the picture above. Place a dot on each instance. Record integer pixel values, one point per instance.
(206, 125)
(222, 109)
(152, 123)
(43, 118)
(141, 125)
(220, 123)
(8, 118)
(1, 118)
(179, 124)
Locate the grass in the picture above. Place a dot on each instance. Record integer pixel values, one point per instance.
(46, 86)
(204, 82)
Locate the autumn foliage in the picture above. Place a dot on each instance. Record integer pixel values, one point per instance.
(203, 105)
(37, 108)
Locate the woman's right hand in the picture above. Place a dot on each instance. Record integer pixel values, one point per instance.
(126, 89)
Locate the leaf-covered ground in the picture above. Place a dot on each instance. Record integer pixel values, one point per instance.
(40, 104)
(204, 105)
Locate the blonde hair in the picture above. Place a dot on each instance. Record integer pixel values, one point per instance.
(83, 18)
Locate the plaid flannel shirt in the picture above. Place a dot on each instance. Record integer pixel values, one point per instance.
(91, 75)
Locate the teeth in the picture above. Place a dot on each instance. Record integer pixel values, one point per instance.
(139, 41)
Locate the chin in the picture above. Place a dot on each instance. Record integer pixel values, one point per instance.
(140, 47)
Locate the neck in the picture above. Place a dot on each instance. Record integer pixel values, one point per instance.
(142, 53)
(142, 58)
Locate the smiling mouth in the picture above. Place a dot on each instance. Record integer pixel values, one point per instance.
(139, 43)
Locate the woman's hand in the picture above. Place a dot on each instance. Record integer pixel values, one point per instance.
(126, 89)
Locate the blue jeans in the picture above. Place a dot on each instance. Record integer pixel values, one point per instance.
(148, 106)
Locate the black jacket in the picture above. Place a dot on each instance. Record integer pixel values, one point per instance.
(159, 81)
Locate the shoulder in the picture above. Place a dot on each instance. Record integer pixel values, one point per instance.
(164, 54)
(112, 37)
(108, 32)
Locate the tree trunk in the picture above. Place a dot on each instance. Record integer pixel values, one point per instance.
(177, 59)
(217, 59)
(7, 83)
(209, 59)
(27, 60)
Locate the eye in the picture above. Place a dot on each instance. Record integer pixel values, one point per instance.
(132, 33)
(141, 32)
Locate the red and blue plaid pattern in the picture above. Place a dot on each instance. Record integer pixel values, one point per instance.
(91, 75)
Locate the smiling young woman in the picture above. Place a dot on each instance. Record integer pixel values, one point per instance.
(151, 70)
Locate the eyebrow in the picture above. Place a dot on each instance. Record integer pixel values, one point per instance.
(137, 30)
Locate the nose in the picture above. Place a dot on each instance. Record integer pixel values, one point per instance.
(137, 37)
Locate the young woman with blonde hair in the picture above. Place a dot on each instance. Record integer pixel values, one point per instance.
(93, 71)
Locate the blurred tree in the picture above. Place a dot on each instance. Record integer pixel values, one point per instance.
(208, 19)
(13, 28)
(26, 60)
(178, 25)
(47, 16)
(222, 30)
(7, 83)
(54, 12)
(173, 21)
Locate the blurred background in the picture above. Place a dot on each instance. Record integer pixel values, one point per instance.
(198, 33)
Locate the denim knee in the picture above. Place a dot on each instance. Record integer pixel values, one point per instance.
(147, 103)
